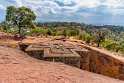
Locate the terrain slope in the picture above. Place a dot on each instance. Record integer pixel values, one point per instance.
(18, 67)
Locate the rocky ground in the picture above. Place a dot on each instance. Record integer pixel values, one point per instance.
(17, 67)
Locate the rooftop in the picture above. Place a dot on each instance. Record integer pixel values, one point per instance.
(57, 49)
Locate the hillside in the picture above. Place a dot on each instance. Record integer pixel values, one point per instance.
(110, 37)
(17, 67)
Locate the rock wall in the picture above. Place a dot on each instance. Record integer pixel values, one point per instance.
(102, 63)
(84, 61)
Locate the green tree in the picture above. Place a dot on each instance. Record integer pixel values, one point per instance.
(87, 37)
(99, 36)
(120, 46)
(65, 32)
(116, 46)
(49, 31)
(20, 17)
(38, 31)
(71, 32)
(5, 26)
(74, 32)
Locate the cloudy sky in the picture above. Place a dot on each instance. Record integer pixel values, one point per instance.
(87, 11)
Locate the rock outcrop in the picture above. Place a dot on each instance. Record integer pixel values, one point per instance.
(18, 67)
(104, 63)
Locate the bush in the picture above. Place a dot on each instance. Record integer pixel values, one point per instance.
(37, 31)
(71, 32)
(87, 37)
(112, 46)
(49, 31)
(106, 43)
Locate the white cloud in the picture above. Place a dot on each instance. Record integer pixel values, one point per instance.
(2, 7)
(50, 6)
(115, 7)
(40, 7)
(114, 3)
(83, 3)
(88, 3)
(52, 9)
(19, 3)
(79, 4)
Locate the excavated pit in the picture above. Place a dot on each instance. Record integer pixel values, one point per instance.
(94, 61)
(56, 52)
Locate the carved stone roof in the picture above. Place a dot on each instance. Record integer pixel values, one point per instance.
(54, 49)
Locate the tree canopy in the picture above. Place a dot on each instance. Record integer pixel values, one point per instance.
(20, 16)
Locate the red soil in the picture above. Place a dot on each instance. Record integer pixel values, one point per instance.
(17, 67)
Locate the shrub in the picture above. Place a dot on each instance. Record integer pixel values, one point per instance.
(37, 31)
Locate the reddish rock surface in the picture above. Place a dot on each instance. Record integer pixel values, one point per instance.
(103, 62)
(17, 67)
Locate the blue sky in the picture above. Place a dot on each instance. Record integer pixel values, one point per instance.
(87, 11)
